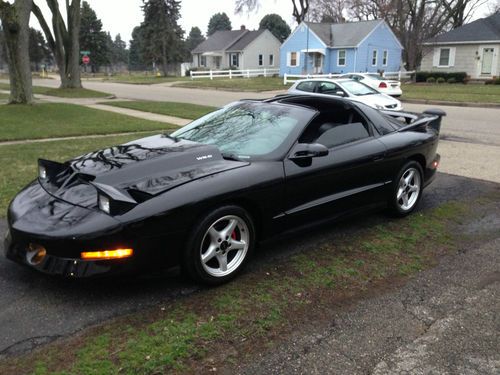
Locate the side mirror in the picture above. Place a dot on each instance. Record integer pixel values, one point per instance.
(308, 150)
(340, 93)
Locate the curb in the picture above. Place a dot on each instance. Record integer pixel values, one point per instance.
(448, 103)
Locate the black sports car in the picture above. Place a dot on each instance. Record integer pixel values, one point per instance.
(204, 195)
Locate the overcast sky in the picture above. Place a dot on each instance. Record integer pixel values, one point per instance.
(121, 16)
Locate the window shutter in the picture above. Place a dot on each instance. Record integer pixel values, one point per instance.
(435, 58)
(288, 58)
(298, 58)
(452, 56)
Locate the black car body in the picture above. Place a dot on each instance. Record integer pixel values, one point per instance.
(164, 194)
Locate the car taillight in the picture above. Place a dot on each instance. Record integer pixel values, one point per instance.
(382, 85)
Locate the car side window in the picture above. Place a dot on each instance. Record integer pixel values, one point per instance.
(329, 88)
(337, 127)
(306, 86)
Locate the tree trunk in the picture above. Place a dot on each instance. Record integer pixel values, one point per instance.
(64, 43)
(15, 20)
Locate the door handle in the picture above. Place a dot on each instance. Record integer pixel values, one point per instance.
(378, 157)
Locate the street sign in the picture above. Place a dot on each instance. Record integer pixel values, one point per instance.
(85, 52)
(86, 60)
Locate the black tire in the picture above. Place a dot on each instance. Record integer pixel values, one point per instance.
(208, 240)
(397, 204)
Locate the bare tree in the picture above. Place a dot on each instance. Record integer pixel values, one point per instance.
(64, 40)
(15, 22)
(415, 21)
(300, 7)
(333, 11)
(494, 7)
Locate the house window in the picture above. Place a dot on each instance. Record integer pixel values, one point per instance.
(203, 61)
(341, 58)
(293, 59)
(444, 57)
(385, 57)
(261, 60)
(235, 59)
(374, 57)
(271, 60)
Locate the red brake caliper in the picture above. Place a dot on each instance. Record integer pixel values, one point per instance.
(233, 235)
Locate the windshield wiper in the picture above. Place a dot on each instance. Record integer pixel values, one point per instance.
(229, 156)
(175, 139)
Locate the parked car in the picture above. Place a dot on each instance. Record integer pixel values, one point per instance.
(347, 88)
(204, 195)
(382, 84)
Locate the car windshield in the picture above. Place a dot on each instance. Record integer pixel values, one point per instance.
(247, 129)
(357, 88)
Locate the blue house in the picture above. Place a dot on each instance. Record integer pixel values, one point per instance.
(322, 48)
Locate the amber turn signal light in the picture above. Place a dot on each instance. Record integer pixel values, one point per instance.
(107, 254)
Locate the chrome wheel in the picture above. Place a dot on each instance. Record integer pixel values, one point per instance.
(408, 189)
(224, 246)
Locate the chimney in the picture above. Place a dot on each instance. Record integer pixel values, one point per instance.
(243, 27)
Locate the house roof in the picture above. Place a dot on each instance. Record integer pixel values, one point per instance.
(245, 40)
(231, 40)
(484, 29)
(347, 34)
(219, 41)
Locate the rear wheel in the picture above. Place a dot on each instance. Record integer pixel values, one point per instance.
(219, 245)
(407, 189)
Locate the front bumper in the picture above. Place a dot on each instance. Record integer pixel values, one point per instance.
(17, 251)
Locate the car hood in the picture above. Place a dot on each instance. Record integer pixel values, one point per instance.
(140, 169)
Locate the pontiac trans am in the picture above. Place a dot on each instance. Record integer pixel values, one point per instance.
(203, 196)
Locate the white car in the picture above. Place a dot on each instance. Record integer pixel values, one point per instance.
(347, 88)
(384, 85)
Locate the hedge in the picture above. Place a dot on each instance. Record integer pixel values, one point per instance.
(459, 77)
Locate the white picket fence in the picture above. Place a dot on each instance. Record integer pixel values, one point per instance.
(247, 73)
(290, 78)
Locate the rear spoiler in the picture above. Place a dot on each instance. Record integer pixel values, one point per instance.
(430, 117)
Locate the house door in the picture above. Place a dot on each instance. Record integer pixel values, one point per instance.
(317, 63)
(487, 61)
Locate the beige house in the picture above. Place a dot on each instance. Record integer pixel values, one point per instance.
(473, 48)
(238, 49)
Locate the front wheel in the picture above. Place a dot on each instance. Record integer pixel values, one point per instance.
(219, 245)
(407, 189)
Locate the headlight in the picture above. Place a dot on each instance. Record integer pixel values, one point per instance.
(42, 172)
(104, 203)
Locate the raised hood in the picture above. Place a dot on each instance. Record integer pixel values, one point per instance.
(139, 169)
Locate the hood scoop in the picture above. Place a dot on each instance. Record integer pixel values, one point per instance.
(142, 168)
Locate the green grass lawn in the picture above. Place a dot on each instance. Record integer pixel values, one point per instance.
(19, 162)
(63, 93)
(50, 120)
(239, 84)
(141, 79)
(453, 92)
(182, 110)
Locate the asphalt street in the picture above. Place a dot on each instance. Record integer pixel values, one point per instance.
(470, 137)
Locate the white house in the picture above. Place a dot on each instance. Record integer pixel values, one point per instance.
(472, 48)
(238, 49)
